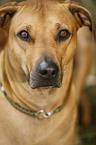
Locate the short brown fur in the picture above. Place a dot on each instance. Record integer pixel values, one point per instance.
(19, 58)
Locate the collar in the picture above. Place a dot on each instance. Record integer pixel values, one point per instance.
(41, 114)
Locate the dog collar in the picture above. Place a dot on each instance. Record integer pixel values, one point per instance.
(41, 114)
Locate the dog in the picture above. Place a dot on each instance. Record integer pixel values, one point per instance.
(44, 61)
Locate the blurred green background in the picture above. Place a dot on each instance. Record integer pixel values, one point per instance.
(88, 136)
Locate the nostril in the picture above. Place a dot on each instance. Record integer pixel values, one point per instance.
(43, 72)
(48, 73)
(54, 73)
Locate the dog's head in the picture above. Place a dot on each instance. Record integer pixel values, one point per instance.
(42, 38)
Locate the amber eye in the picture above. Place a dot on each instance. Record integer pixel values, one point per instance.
(63, 35)
(24, 35)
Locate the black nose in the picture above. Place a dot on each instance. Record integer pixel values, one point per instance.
(48, 69)
(47, 74)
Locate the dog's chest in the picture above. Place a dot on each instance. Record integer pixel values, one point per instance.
(18, 128)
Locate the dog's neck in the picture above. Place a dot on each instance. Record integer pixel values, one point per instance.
(18, 89)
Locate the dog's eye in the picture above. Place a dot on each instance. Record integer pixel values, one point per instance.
(24, 35)
(63, 35)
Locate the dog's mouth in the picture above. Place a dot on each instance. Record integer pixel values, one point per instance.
(47, 88)
(48, 83)
(47, 75)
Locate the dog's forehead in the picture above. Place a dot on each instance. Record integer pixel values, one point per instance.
(49, 13)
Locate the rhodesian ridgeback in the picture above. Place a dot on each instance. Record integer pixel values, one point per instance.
(39, 85)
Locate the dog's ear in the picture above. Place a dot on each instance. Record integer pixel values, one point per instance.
(82, 16)
(6, 12)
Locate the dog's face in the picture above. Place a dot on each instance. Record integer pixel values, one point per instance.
(42, 41)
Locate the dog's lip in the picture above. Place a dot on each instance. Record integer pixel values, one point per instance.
(50, 87)
(46, 87)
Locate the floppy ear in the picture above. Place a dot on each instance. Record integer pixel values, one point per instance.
(82, 16)
(6, 12)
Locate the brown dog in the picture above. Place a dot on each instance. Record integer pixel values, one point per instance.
(39, 85)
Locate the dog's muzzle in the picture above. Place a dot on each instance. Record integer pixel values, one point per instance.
(46, 75)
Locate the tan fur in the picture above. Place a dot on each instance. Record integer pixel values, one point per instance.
(18, 57)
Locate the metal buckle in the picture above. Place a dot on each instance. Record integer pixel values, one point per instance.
(42, 114)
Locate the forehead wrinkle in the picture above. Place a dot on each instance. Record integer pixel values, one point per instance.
(45, 12)
(29, 27)
(57, 25)
(39, 6)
